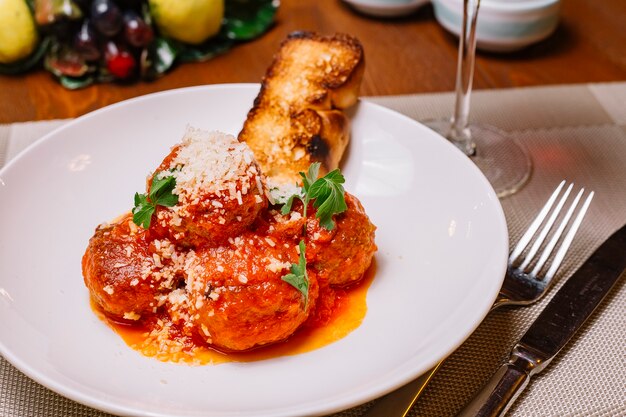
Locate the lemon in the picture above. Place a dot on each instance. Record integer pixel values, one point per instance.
(190, 21)
(18, 33)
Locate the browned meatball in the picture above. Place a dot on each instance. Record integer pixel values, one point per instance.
(118, 269)
(216, 260)
(219, 186)
(236, 296)
(342, 255)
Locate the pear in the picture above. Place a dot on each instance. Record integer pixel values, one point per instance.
(189, 21)
(18, 33)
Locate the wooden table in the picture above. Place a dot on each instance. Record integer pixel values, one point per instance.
(408, 55)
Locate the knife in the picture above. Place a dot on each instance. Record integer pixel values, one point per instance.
(570, 307)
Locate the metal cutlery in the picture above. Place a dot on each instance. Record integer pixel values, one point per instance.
(566, 312)
(523, 284)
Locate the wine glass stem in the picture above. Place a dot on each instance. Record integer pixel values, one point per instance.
(460, 133)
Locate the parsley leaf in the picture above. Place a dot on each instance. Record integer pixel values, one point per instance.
(162, 188)
(327, 194)
(287, 205)
(143, 211)
(298, 278)
(160, 195)
(311, 176)
(329, 197)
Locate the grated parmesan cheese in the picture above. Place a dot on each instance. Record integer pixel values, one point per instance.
(275, 265)
(132, 316)
(279, 193)
(211, 163)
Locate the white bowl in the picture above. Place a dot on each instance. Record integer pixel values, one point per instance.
(503, 25)
(386, 8)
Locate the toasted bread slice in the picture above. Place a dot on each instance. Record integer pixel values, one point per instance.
(297, 117)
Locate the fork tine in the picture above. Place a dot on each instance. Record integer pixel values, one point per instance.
(534, 226)
(560, 254)
(546, 229)
(557, 235)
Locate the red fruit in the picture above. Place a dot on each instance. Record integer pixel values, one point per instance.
(136, 31)
(85, 42)
(120, 62)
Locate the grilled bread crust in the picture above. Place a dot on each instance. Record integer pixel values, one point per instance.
(298, 117)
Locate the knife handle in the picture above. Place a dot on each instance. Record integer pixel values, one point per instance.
(497, 395)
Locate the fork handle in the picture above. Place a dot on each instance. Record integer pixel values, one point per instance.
(497, 395)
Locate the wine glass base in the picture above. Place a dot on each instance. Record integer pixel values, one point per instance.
(504, 162)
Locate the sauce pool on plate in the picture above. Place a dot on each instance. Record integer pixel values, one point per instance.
(347, 315)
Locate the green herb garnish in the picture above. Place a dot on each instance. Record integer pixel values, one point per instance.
(328, 197)
(298, 277)
(160, 195)
(327, 194)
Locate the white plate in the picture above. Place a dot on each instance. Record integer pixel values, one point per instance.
(442, 254)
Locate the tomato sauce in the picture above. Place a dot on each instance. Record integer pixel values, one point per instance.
(205, 261)
(347, 314)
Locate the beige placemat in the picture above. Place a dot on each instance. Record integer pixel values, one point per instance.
(574, 132)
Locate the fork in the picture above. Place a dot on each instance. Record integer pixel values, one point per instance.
(523, 282)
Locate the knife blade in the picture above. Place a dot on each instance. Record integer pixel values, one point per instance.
(566, 312)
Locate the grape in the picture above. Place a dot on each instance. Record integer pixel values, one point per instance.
(85, 42)
(136, 31)
(108, 35)
(106, 17)
(120, 62)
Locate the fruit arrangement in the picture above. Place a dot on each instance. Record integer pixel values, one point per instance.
(86, 41)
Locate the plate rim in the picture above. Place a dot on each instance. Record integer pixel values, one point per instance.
(342, 402)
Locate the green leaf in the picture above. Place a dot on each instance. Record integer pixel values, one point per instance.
(327, 194)
(75, 83)
(158, 57)
(161, 187)
(143, 211)
(164, 52)
(287, 206)
(248, 19)
(311, 176)
(298, 278)
(140, 199)
(205, 51)
(161, 191)
(329, 197)
(161, 194)
(167, 200)
(143, 216)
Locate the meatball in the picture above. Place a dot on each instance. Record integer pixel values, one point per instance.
(342, 255)
(236, 295)
(324, 306)
(219, 187)
(118, 270)
(211, 267)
